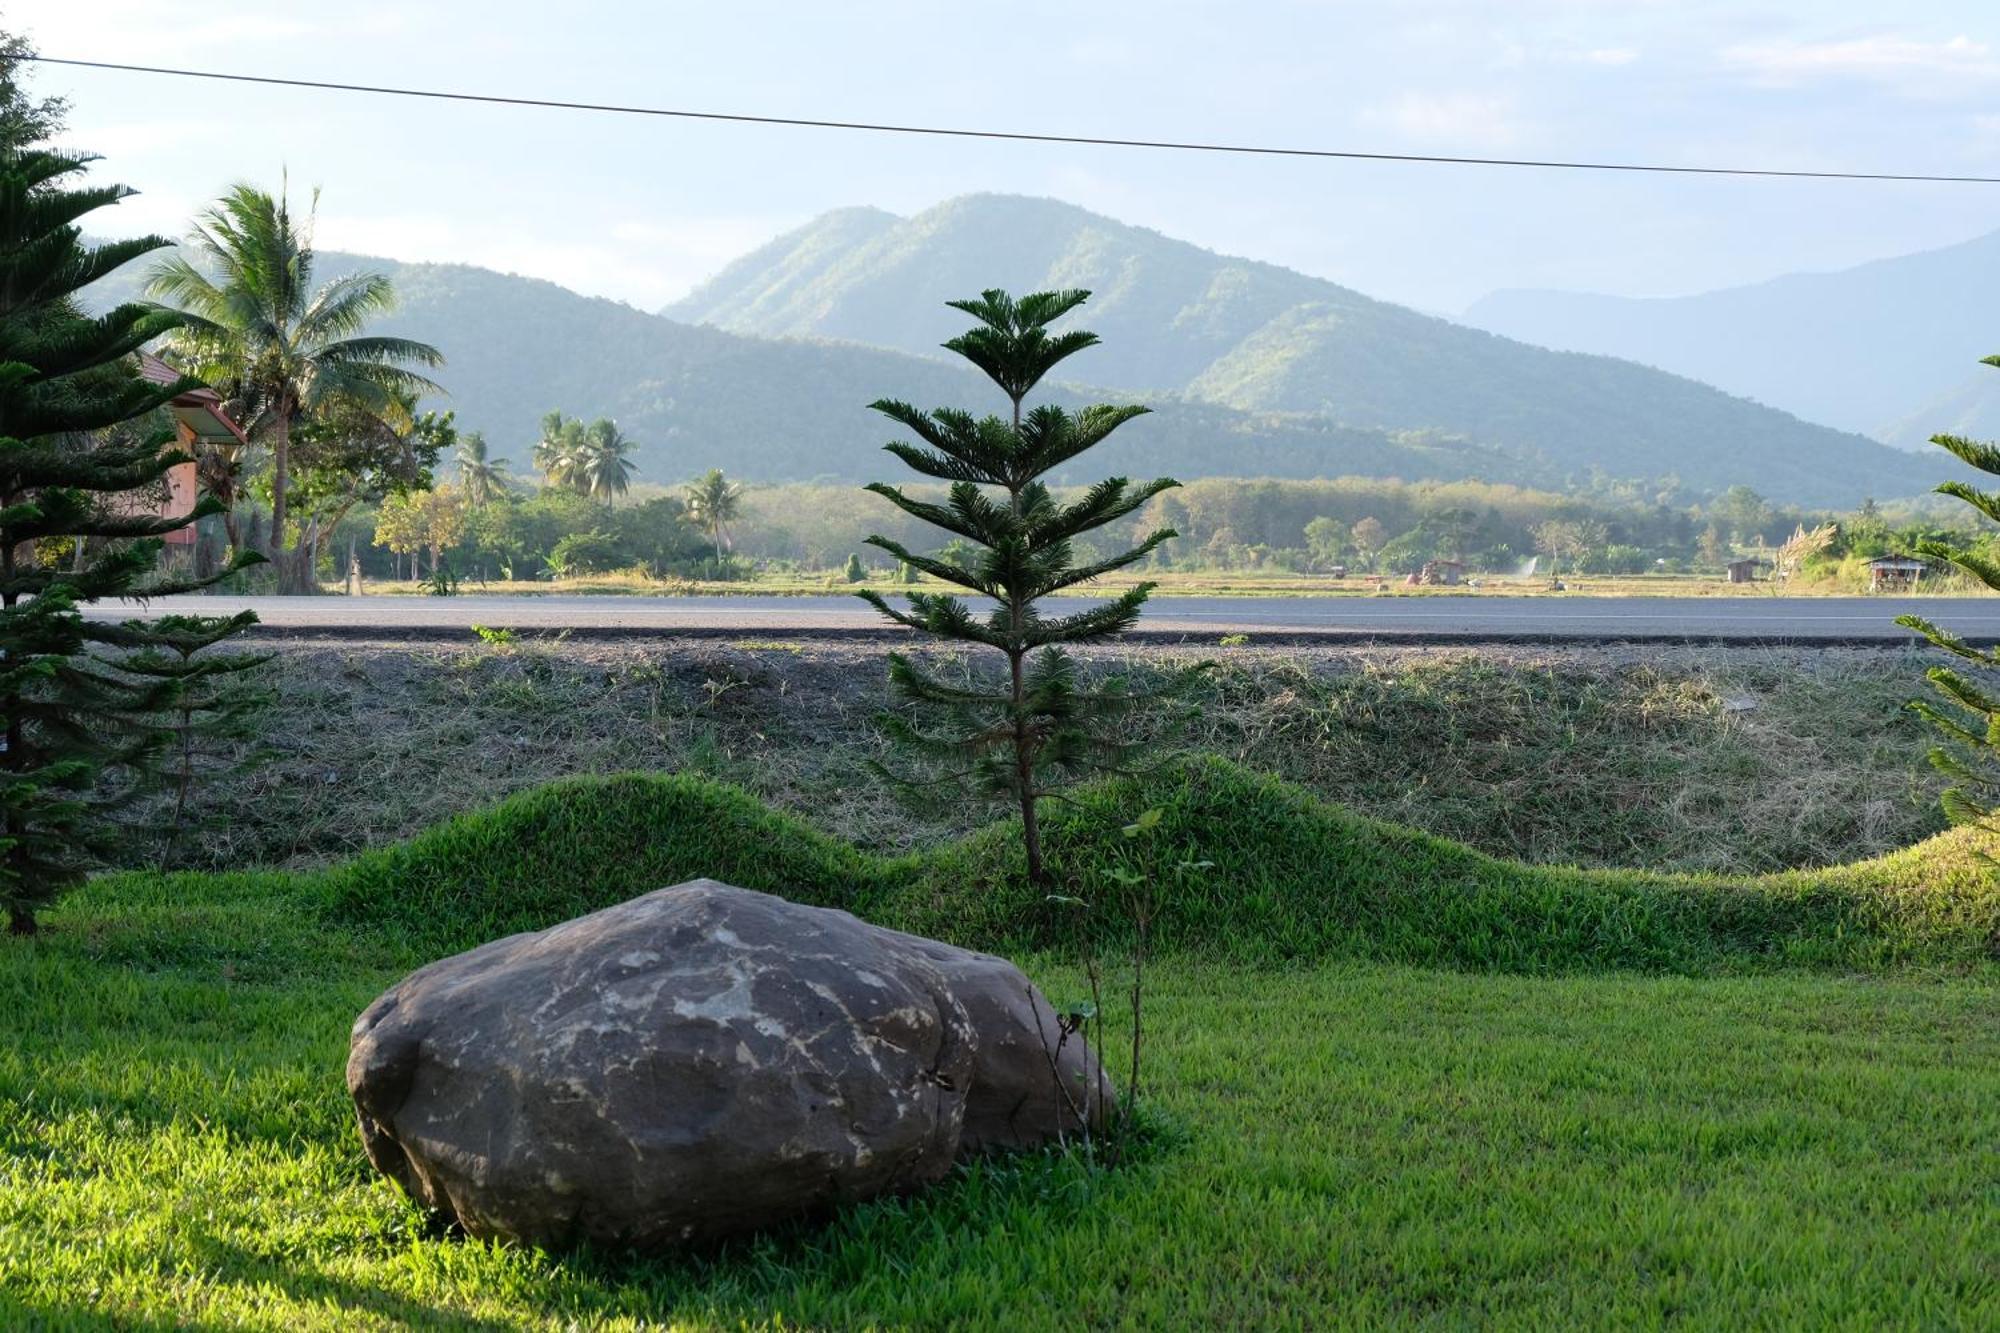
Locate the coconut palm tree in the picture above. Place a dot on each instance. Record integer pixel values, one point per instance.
(559, 452)
(480, 476)
(605, 465)
(713, 503)
(281, 349)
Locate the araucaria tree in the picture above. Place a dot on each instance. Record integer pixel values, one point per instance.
(1969, 712)
(78, 730)
(1024, 735)
(212, 713)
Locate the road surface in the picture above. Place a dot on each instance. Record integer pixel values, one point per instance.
(1748, 619)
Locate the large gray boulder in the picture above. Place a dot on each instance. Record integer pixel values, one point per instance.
(701, 1061)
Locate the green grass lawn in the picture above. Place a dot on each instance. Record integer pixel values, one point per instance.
(1715, 1134)
(1355, 1144)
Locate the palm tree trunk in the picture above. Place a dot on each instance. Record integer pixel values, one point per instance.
(293, 571)
(281, 476)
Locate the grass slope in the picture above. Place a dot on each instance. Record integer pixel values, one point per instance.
(1625, 757)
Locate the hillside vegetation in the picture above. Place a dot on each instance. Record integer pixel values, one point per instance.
(766, 371)
(793, 410)
(1257, 337)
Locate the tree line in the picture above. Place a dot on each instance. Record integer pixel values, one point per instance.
(715, 528)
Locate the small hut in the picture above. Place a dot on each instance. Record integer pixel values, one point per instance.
(1446, 572)
(1894, 573)
(1742, 571)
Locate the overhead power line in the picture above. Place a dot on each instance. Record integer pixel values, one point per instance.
(1017, 136)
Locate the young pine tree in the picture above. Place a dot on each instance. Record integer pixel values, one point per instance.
(71, 718)
(211, 710)
(1969, 717)
(1022, 736)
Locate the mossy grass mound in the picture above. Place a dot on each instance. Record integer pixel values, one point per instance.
(1289, 878)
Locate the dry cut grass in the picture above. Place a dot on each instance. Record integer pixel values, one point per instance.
(1732, 760)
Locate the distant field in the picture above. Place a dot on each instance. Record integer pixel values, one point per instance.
(1176, 584)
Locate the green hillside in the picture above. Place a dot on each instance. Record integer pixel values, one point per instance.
(792, 409)
(1258, 337)
(1252, 370)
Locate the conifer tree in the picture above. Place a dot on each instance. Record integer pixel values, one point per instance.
(72, 719)
(1023, 736)
(1968, 713)
(211, 709)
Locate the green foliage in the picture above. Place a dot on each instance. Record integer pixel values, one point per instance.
(593, 460)
(1968, 715)
(713, 503)
(854, 571)
(286, 353)
(82, 454)
(1574, 540)
(1023, 739)
(592, 552)
(661, 537)
(211, 711)
(1327, 540)
(24, 120)
(428, 520)
(481, 476)
(348, 454)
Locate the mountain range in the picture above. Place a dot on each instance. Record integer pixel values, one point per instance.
(1253, 336)
(1252, 369)
(1888, 348)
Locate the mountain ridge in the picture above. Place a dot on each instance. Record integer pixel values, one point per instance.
(1254, 336)
(793, 407)
(1870, 348)
(796, 409)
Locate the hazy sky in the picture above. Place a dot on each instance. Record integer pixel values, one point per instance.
(641, 209)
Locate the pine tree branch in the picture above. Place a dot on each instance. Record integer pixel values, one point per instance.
(937, 569)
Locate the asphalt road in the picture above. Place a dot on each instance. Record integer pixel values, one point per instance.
(1746, 619)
